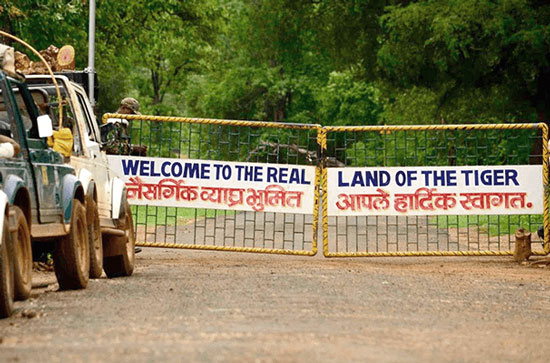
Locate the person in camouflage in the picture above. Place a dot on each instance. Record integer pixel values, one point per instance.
(117, 138)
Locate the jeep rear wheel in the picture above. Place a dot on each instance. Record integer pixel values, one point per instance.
(6, 275)
(123, 265)
(22, 256)
(94, 237)
(71, 256)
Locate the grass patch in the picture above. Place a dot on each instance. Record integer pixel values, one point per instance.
(493, 225)
(171, 216)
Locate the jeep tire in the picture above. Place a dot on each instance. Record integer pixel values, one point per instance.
(6, 274)
(123, 265)
(71, 256)
(94, 237)
(22, 256)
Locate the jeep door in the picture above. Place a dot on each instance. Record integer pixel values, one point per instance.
(16, 167)
(46, 165)
(95, 160)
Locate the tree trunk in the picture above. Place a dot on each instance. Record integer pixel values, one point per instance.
(156, 87)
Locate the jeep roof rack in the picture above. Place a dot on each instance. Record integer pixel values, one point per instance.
(81, 77)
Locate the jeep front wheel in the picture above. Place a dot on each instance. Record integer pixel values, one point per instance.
(94, 237)
(22, 256)
(6, 275)
(123, 265)
(71, 256)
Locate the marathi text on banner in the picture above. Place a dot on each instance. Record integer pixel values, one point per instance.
(217, 185)
(170, 189)
(435, 190)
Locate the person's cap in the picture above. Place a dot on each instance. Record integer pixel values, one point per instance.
(132, 104)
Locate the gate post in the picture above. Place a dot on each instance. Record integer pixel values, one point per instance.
(545, 184)
(322, 141)
(522, 252)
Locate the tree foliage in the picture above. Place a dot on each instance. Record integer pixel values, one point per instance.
(478, 61)
(328, 61)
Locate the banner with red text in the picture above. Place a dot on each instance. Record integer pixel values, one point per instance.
(460, 190)
(216, 184)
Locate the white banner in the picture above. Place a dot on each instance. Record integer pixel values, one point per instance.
(413, 191)
(216, 184)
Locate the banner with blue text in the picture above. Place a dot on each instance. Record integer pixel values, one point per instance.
(217, 184)
(474, 190)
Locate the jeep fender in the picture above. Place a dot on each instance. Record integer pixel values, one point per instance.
(4, 208)
(88, 184)
(72, 188)
(18, 194)
(118, 197)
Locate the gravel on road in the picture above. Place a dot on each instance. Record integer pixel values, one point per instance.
(201, 306)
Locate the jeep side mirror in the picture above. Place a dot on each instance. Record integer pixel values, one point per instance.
(45, 128)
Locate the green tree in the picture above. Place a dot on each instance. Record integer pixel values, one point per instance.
(268, 68)
(43, 23)
(171, 39)
(465, 61)
(348, 32)
(62, 22)
(145, 49)
(348, 102)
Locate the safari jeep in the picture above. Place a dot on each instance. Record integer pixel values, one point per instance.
(46, 199)
(110, 224)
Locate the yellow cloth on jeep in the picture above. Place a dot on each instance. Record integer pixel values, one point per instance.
(62, 141)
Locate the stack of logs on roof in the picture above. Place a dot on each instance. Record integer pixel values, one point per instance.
(57, 59)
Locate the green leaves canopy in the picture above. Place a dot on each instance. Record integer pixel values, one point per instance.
(329, 61)
(477, 61)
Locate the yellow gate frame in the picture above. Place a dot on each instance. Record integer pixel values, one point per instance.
(322, 140)
(275, 125)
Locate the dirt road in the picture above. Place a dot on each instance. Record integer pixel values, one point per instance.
(226, 307)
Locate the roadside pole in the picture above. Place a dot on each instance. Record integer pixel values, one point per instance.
(91, 52)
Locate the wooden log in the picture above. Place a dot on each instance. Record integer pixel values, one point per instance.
(50, 55)
(38, 68)
(65, 58)
(22, 63)
(522, 251)
(57, 59)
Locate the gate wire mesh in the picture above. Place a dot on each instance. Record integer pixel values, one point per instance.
(225, 140)
(441, 145)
